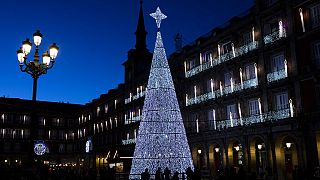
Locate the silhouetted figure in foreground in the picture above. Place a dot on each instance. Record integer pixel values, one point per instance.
(175, 176)
(158, 174)
(145, 175)
(189, 173)
(167, 173)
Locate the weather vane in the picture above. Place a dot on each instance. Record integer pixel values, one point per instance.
(158, 16)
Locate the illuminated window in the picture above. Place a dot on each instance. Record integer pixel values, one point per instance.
(205, 57)
(232, 111)
(227, 79)
(212, 118)
(282, 101)
(225, 48)
(253, 106)
(249, 72)
(98, 111)
(277, 62)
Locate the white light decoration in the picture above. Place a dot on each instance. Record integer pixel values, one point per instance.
(291, 107)
(241, 78)
(40, 148)
(240, 114)
(211, 58)
(211, 85)
(217, 149)
(286, 67)
(288, 145)
(221, 92)
(214, 119)
(233, 51)
(281, 30)
(185, 68)
(302, 20)
(161, 138)
(231, 82)
(219, 53)
(197, 125)
(256, 71)
(253, 37)
(88, 145)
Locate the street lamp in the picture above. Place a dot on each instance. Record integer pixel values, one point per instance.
(34, 67)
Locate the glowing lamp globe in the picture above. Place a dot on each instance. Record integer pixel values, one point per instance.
(20, 55)
(37, 37)
(46, 58)
(26, 46)
(53, 50)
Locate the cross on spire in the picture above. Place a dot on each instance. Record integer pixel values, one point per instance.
(158, 16)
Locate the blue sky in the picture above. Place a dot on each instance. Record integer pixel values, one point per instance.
(94, 37)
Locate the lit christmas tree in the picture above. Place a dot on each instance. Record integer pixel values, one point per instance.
(162, 140)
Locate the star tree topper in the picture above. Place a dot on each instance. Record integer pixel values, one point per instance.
(158, 16)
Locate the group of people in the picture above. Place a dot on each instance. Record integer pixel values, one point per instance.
(166, 174)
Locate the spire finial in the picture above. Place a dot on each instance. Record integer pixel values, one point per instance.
(158, 16)
(141, 31)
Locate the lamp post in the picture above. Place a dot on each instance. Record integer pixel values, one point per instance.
(34, 67)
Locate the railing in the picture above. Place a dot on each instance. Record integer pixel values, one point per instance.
(132, 120)
(277, 75)
(275, 36)
(137, 96)
(253, 119)
(223, 58)
(251, 83)
(128, 141)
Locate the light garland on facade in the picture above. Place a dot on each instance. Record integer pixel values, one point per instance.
(162, 140)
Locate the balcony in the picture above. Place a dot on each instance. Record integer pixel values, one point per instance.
(223, 58)
(247, 84)
(128, 141)
(275, 36)
(132, 120)
(253, 119)
(277, 75)
(137, 96)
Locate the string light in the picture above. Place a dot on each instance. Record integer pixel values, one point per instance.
(162, 140)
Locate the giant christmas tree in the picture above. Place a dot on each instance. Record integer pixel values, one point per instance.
(162, 141)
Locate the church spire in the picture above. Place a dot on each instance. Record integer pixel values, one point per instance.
(141, 31)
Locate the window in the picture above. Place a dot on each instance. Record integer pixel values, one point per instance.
(209, 82)
(282, 101)
(316, 52)
(277, 62)
(247, 38)
(315, 15)
(253, 106)
(192, 63)
(212, 119)
(227, 79)
(232, 111)
(225, 48)
(249, 72)
(205, 56)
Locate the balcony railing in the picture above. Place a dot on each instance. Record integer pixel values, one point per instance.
(137, 96)
(277, 75)
(223, 58)
(251, 83)
(275, 36)
(128, 141)
(253, 119)
(132, 120)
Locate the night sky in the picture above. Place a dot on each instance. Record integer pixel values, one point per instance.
(94, 37)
